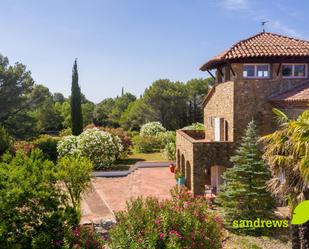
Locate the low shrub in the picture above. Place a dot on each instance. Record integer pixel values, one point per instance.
(24, 146)
(170, 151)
(151, 129)
(125, 137)
(83, 238)
(146, 144)
(182, 222)
(166, 138)
(48, 145)
(100, 147)
(67, 146)
(195, 127)
(65, 132)
(6, 141)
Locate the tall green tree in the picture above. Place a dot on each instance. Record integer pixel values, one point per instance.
(197, 90)
(244, 194)
(76, 106)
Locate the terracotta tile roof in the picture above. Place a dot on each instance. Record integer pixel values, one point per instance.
(264, 44)
(296, 95)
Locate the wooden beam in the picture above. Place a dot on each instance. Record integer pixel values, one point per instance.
(220, 71)
(211, 75)
(231, 68)
(278, 71)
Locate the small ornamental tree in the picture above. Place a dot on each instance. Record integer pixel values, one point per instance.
(76, 106)
(244, 195)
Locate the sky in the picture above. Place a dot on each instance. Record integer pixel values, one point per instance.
(131, 43)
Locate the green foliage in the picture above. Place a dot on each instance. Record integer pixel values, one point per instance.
(146, 144)
(48, 145)
(87, 110)
(31, 214)
(195, 127)
(76, 108)
(67, 146)
(82, 238)
(75, 173)
(170, 151)
(6, 140)
(151, 129)
(101, 147)
(244, 194)
(182, 222)
(48, 118)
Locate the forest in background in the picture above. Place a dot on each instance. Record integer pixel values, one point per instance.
(28, 109)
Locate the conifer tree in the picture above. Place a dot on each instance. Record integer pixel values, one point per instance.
(76, 107)
(244, 194)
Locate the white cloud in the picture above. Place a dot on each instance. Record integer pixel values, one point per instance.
(258, 16)
(235, 4)
(282, 28)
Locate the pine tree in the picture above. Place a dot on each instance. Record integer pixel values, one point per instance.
(76, 107)
(244, 194)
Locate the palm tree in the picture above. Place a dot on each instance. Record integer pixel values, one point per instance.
(286, 151)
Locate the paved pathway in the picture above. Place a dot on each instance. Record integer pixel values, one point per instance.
(111, 193)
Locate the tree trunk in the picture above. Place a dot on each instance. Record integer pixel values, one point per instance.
(295, 237)
(304, 235)
(304, 228)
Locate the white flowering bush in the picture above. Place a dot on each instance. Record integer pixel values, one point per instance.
(170, 151)
(151, 129)
(100, 147)
(67, 146)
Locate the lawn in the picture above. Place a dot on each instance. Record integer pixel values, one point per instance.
(234, 241)
(126, 163)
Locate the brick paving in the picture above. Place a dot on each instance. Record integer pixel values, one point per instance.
(110, 194)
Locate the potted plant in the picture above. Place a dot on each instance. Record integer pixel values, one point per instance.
(172, 167)
(180, 178)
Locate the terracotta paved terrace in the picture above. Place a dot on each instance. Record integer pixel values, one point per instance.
(110, 194)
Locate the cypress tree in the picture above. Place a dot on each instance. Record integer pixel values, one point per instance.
(244, 194)
(76, 107)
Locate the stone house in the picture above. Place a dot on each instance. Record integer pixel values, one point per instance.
(252, 77)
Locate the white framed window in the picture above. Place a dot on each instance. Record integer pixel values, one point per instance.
(256, 71)
(294, 70)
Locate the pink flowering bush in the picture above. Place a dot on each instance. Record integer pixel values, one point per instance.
(82, 238)
(182, 222)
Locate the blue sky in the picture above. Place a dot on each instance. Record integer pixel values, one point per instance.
(131, 43)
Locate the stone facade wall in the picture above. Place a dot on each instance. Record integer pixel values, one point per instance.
(251, 99)
(200, 156)
(221, 104)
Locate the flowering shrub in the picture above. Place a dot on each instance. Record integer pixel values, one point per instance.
(182, 222)
(100, 147)
(82, 238)
(124, 136)
(67, 146)
(170, 151)
(166, 138)
(24, 146)
(151, 129)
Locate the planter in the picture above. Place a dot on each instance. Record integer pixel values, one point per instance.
(181, 180)
(172, 168)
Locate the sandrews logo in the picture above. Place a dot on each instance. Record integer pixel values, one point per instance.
(301, 213)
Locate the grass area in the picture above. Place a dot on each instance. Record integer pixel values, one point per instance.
(234, 241)
(125, 163)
